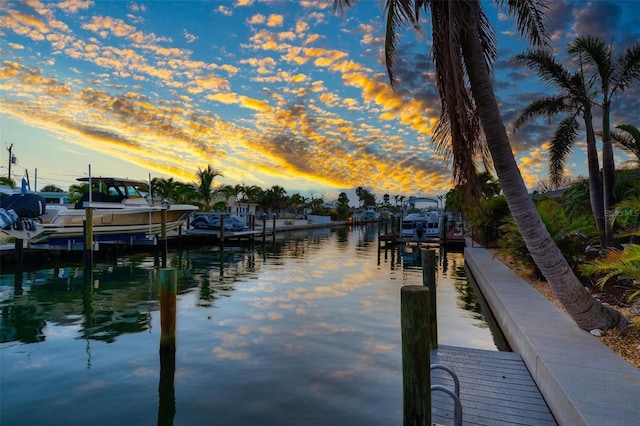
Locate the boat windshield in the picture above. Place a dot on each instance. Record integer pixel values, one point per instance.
(129, 191)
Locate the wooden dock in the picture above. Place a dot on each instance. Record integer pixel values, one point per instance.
(495, 389)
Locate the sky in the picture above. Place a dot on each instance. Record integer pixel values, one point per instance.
(268, 93)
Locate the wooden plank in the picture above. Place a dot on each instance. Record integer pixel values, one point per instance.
(495, 389)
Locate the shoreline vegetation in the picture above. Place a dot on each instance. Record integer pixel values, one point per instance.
(625, 343)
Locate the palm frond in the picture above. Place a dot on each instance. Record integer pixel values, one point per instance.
(399, 12)
(529, 16)
(629, 140)
(547, 67)
(596, 52)
(549, 106)
(561, 143)
(624, 264)
(627, 68)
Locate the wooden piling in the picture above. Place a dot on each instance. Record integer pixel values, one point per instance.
(264, 227)
(273, 229)
(168, 290)
(429, 280)
(19, 250)
(416, 357)
(163, 236)
(166, 388)
(88, 237)
(221, 233)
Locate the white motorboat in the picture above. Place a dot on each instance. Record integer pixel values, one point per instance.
(122, 210)
(421, 223)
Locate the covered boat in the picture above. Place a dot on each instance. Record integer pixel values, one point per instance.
(122, 210)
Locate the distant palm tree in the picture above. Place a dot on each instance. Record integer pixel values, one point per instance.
(463, 50)
(185, 193)
(614, 75)
(275, 198)
(204, 186)
(164, 188)
(7, 181)
(51, 188)
(76, 191)
(574, 100)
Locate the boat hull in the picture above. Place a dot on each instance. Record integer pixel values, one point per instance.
(138, 221)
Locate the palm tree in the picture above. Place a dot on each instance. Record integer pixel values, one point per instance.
(463, 51)
(51, 188)
(204, 186)
(164, 188)
(274, 198)
(76, 191)
(628, 139)
(185, 193)
(7, 181)
(573, 99)
(614, 75)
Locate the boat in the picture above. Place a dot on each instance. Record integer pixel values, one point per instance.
(122, 211)
(213, 221)
(422, 223)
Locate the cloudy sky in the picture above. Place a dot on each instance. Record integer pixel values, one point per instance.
(267, 92)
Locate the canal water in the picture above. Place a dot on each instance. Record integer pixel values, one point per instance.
(302, 331)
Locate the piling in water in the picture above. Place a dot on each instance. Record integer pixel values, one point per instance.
(416, 358)
(429, 280)
(168, 290)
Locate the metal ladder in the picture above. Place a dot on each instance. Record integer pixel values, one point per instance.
(455, 395)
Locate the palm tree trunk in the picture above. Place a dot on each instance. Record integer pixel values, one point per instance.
(608, 171)
(586, 311)
(595, 182)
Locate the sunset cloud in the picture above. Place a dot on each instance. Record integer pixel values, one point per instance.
(269, 92)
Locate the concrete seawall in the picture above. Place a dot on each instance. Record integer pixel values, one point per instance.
(583, 381)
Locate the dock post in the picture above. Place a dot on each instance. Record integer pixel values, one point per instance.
(273, 228)
(264, 227)
(429, 281)
(221, 238)
(163, 236)
(168, 290)
(166, 388)
(416, 356)
(19, 250)
(88, 237)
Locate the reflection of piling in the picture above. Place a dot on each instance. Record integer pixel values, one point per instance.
(416, 358)
(429, 280)
(166, 386)
(17, 280)
(168, 290)
(166, 389)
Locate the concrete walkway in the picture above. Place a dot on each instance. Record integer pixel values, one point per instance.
(582, 380)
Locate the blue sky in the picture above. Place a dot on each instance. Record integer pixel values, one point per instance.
(267, 92)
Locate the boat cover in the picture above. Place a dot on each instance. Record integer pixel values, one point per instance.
(24, 205)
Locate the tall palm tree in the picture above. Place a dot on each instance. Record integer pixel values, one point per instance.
(614, 75)
(463, 51)
(628, 139)
(574, 99)
(205, 187)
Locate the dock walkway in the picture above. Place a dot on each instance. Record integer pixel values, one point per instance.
(495, 389)
(583, 381)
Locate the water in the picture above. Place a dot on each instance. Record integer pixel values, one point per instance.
(302, 332)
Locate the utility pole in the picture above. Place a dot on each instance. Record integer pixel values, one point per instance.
(10, 157)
